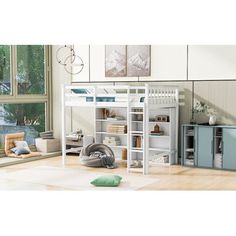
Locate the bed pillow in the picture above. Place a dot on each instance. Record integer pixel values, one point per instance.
(19, 151)
(107, 181)
(80, 91)
(22, 145)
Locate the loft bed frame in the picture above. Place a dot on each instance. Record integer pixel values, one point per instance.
(119, 95)
(127, 97)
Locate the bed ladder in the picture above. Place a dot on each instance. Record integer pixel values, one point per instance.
(137, 134)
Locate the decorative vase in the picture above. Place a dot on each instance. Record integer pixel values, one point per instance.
(212, 120)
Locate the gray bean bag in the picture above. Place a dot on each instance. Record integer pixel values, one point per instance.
(97, 155)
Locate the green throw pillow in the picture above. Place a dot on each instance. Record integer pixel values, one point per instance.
(107, 181)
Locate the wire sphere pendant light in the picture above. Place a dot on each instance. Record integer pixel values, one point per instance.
(66, 56)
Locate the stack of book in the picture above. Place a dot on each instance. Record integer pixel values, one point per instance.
(218, 161)
(112, 141)
(46, 135)
(116, 118)
(116, 128)
(189, 160)
(190, 132)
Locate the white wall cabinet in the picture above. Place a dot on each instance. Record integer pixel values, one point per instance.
(168, 62)
(212, 62)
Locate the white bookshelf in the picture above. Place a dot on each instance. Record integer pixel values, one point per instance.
(102, 124)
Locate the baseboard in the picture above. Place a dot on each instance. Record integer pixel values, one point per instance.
(44, 156)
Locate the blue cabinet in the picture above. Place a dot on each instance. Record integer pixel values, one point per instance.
(209, 146)
(229, 149)
(205, 146)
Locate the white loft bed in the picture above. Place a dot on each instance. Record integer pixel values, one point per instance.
(127, 97)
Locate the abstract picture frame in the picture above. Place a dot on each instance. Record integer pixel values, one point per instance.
(115, 60)
(138, 60)
(127, 60)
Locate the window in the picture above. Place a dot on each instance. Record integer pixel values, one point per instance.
(24, 90)
(5, 69)
(30, 69)
(24, 117)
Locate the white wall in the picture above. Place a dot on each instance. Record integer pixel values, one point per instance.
(212, 62)
(168, 63)
(221, 95)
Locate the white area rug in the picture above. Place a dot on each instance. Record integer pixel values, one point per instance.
(75, 179)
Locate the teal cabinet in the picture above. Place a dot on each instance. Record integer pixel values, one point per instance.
(205, 147)
(209, 146)
(229, 148)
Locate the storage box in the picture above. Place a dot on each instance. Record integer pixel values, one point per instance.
(47, 145)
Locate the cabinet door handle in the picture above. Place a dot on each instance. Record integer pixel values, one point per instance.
(194, 150)
(211, 146)
(222, 147)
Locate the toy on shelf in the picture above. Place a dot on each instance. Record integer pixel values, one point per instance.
(108, 114)
(105, 113)
(157, 130)
(162, 118)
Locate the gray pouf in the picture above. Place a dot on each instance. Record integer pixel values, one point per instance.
(97, 155)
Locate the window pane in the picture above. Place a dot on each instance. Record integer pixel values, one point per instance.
(28, 118)
(5, 62)
(30, 69)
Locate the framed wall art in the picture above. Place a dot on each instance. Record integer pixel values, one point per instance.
(115, 61)
(138, 60)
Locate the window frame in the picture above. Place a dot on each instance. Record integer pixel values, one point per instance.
(11, 75)
(46, 98)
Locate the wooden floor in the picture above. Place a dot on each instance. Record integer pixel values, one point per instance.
(168, 178)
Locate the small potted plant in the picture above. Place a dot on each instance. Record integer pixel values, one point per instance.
(211, 113)
(201, 107)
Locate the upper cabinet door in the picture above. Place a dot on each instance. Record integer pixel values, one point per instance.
(212, 62)
(168, 62)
